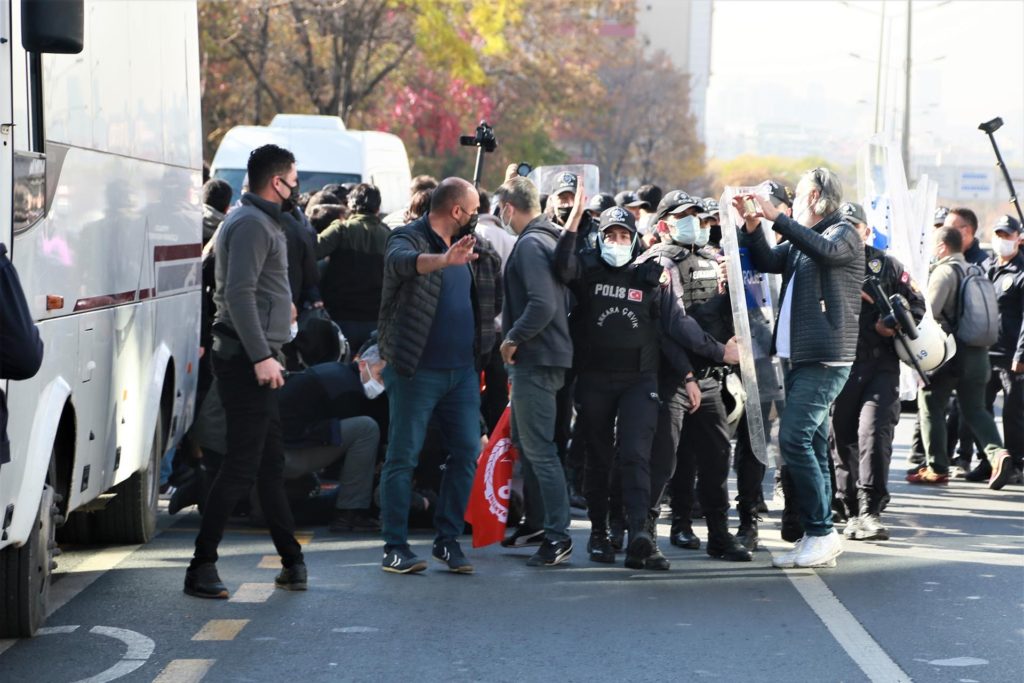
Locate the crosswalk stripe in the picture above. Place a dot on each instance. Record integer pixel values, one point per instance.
(220, 629)
(184, 671)
(253, 592)
(270, 562)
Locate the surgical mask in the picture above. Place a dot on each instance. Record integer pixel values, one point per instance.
(292, 200)
(563, 214)
(373, 388)
(687, 230)
(506, 223)
(617, 255)
(293, 331)
(802, 210)
(1004, 247)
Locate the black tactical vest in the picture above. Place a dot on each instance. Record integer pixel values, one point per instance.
(696, 273)
(618, 327)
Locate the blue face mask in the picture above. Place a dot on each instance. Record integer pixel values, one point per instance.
(617, 255)
(687, 230)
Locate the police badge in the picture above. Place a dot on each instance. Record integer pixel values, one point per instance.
(875, 266)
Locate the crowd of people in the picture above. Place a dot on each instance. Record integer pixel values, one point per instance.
(364, 360)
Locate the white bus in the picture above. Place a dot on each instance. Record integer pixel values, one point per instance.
(100, 172)
(325, 152)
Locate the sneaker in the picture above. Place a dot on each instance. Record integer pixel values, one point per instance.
(640, 548)
(292, 578)
(353, 521)
(983, 472)
(448, 551)
(916, 469)
(870, 528)
(788, 558)
(551, 553)
(819, 551)
(204, 582)
(957, 472)
(400, 560)
(523, 537)
(1002, 470)
(851, 528)
(928, 476)
(599, 548)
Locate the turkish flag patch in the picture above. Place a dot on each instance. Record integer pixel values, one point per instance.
(635, 295)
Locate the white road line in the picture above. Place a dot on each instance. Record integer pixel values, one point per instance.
(844, 627)
(139, 646)
(253, 592)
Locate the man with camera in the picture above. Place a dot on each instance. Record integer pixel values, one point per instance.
(868, 408)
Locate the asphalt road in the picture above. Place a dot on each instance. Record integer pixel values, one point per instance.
(942, 601)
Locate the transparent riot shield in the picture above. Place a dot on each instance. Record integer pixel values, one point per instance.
(548, 178)
(755, 300)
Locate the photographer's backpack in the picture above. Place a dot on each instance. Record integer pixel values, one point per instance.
(978, 313)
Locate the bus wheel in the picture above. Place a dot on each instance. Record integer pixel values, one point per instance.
(25, 575)
(131, 516)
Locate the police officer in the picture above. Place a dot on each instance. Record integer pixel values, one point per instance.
(623, 310)
(698, 441)
(868, 408)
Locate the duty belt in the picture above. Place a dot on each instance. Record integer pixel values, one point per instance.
(719, 372)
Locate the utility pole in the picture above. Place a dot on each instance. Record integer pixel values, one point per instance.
(878, 76)
(906, 100)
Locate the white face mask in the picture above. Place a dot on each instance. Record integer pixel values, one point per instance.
(1005, 248)
(373, 388)
(687, 230)
(293, 330)
(802, 209)
(616, 255)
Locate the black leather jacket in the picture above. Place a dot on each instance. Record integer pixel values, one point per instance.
(828, 263)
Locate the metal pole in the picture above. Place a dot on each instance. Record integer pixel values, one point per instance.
(878, 77)
(479, 166)
(906, 100)
(1006, 176)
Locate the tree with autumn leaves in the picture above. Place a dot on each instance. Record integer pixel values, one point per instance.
(549, 75)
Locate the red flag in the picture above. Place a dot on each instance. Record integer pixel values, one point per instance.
(488, 500)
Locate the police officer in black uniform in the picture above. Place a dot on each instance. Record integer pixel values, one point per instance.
(623, 310)
(868, 408)
(697, 442)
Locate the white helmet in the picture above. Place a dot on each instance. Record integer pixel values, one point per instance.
(932, 348)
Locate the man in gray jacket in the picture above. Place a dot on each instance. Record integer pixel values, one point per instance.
(822, 266)
(253, 321)
(538, 350)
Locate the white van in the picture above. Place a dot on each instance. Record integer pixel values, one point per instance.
(325, 152)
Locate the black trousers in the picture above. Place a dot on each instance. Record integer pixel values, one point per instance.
(622, 404)
(864, 421)
(495, 398)
(1012, 386)
(749, 470)
(692, 445)
(255, 453)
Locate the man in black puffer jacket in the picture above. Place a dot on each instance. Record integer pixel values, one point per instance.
(429, 334)
(817, 332)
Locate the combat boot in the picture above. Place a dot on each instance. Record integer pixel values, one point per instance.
(721, 544)
(746, 534)
(870, 527)
(656, 561)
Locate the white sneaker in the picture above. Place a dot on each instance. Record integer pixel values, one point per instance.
(820, 551)
(788, 558)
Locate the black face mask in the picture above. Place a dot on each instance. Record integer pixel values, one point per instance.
(469, 228)
(292, 200)
(715, 237)
(563, 214)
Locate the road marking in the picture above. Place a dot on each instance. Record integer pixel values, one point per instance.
(184, 671)
(270, 562)
(355, 629)
(844, 627)
(220, 629)
(252, 592)
(921, 552)
(53, 630)
(139, 646)
(304, 537)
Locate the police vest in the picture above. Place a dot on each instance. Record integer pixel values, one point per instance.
(697, 274)
(619, 327)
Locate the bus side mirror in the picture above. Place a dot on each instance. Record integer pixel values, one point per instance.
(52, 26)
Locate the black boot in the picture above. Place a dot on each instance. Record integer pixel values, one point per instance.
(640, 547)
(870, 526)
(852, 509)
(656, 561)
(682, 535)
(746, 534)
(721, 544)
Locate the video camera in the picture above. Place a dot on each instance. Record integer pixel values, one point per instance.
(894, 312)
(484, 141)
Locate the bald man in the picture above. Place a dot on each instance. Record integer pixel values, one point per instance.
(429, 332)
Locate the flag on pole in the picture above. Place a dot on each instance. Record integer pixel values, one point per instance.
(488, 500)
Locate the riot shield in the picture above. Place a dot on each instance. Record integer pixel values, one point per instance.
(548, 178)
(754, 298)
(899, 219)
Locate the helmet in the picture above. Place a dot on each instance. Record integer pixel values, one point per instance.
(319, 340)
(932, 348)
(734, 396)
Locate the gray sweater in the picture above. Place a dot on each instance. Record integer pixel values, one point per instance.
(252, 294)
(536, 311)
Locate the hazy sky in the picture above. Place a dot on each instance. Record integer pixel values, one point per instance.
(789, 61)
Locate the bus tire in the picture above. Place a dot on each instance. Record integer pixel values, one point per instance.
(25, 575)
(131, 516)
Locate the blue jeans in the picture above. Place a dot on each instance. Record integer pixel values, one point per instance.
(453, 398)
(803, 440)
(533, 433)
